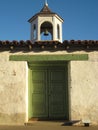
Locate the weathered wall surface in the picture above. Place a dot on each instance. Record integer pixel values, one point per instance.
(12, 90)
(84, 89)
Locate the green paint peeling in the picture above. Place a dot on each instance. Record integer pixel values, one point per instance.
(66, 57)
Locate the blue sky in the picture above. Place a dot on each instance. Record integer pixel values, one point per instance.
(80, 18)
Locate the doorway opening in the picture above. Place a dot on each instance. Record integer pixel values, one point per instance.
(48, 91)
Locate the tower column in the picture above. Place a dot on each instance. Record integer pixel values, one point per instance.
(38, 33)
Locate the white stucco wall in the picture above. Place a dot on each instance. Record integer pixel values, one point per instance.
(12, 90)
(84, 89)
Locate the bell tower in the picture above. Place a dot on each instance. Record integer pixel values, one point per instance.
(46, 25)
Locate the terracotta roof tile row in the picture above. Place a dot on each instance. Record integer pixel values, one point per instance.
(71, 45)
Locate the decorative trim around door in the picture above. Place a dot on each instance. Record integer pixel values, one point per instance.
(61, 57)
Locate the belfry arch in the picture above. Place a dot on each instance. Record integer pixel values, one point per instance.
(46, 31)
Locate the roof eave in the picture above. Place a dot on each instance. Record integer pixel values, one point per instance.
(42, 14)
(33, 17)
(58, 17)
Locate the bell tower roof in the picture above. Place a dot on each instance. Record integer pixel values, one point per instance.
(43, 12)
(46, 9)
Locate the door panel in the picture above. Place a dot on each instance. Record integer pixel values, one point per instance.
(39, 93)
(57, 93)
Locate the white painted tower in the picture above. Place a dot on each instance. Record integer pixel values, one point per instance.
(46, 25)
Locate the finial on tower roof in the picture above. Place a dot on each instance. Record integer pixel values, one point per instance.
(46, 3)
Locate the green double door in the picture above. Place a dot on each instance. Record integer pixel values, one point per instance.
(48, 92)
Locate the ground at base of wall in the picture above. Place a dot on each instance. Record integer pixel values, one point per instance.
(47, 126)
(60, 123)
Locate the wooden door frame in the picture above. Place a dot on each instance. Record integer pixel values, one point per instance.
(51, 64)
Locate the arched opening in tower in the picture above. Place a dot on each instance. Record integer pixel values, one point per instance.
(46, 31)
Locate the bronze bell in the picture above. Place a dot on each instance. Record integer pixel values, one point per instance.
(46, 33)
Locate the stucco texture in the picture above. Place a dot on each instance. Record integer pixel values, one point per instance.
(12, 91)
(83, 88)
(84, 91)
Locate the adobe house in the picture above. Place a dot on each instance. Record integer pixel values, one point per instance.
(47, 78)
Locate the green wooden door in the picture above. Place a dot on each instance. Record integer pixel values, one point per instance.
(39, 93)
(47, 93)
(57, 91)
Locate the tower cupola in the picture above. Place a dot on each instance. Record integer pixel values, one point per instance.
(46, 25)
